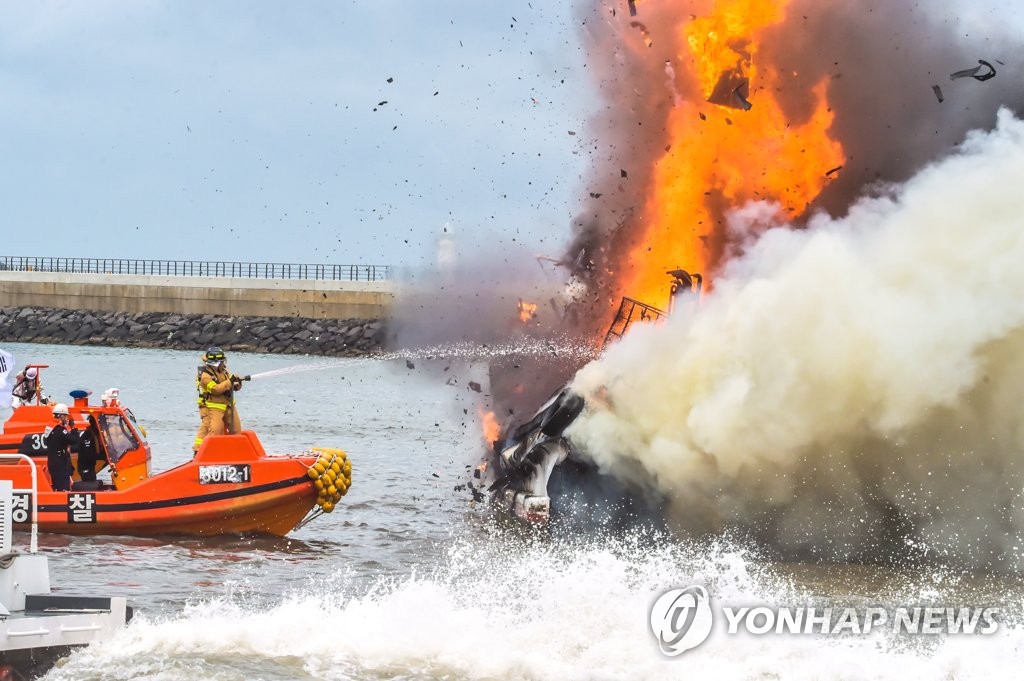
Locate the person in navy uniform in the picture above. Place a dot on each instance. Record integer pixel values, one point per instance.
(58, 450)
(88, 450)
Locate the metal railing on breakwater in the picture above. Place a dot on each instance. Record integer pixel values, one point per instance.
(196, 268)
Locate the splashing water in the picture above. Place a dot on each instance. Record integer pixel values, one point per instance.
(523, 609)
(563, 348)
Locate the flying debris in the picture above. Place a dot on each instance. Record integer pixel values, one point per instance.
(973, 73)
(576, 265)
(632, 7)
(732, 90)
(833, 171)
(643, 31)
(739, 95)
(938, 93)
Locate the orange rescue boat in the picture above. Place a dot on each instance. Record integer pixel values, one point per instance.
(231, 486)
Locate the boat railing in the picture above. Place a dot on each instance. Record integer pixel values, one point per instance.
(631, 311)
(33, 496)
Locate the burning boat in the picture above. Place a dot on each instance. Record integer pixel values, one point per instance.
(535, 460)
(717, 131)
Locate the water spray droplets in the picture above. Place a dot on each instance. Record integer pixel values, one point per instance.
(463, 350)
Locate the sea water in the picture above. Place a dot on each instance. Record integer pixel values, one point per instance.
(411, 579)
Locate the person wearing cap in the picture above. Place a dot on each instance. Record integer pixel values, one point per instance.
(217, 386)
(26, 387)
(58, 450)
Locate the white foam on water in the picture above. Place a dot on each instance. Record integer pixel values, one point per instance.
(508, 610)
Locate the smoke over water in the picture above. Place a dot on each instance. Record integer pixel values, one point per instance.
(498, 306)
(848, 391)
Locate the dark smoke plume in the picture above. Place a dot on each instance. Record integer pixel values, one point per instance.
(880, 58)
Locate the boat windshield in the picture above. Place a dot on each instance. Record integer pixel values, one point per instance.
(117, 436)
(138, 429)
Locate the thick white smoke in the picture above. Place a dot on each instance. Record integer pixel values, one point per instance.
(853, 388)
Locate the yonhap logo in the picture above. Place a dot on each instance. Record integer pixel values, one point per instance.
(681, 619)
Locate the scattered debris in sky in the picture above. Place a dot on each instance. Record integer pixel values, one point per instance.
(973, 73)
(643, 31)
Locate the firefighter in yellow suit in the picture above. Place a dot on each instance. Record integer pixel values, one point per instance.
(216, 386)
(204, 413)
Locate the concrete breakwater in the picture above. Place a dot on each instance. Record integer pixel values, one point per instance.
(186, 295)
(289, 335)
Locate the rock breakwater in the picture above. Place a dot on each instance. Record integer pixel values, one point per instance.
(289, 335)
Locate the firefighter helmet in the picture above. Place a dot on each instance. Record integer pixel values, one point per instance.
(214, 356)
(60, 409)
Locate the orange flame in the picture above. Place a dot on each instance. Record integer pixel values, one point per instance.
(527, 311)
(491, 427)
(720, 155)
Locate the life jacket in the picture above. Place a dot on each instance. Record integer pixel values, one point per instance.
(24, 387)
(203, 393)
(207, 397)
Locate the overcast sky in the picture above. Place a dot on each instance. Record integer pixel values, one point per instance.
(258, 130)
(268, 131)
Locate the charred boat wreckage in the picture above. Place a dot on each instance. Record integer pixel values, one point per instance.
(536, 470)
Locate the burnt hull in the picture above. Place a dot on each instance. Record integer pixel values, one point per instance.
(541, 476)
